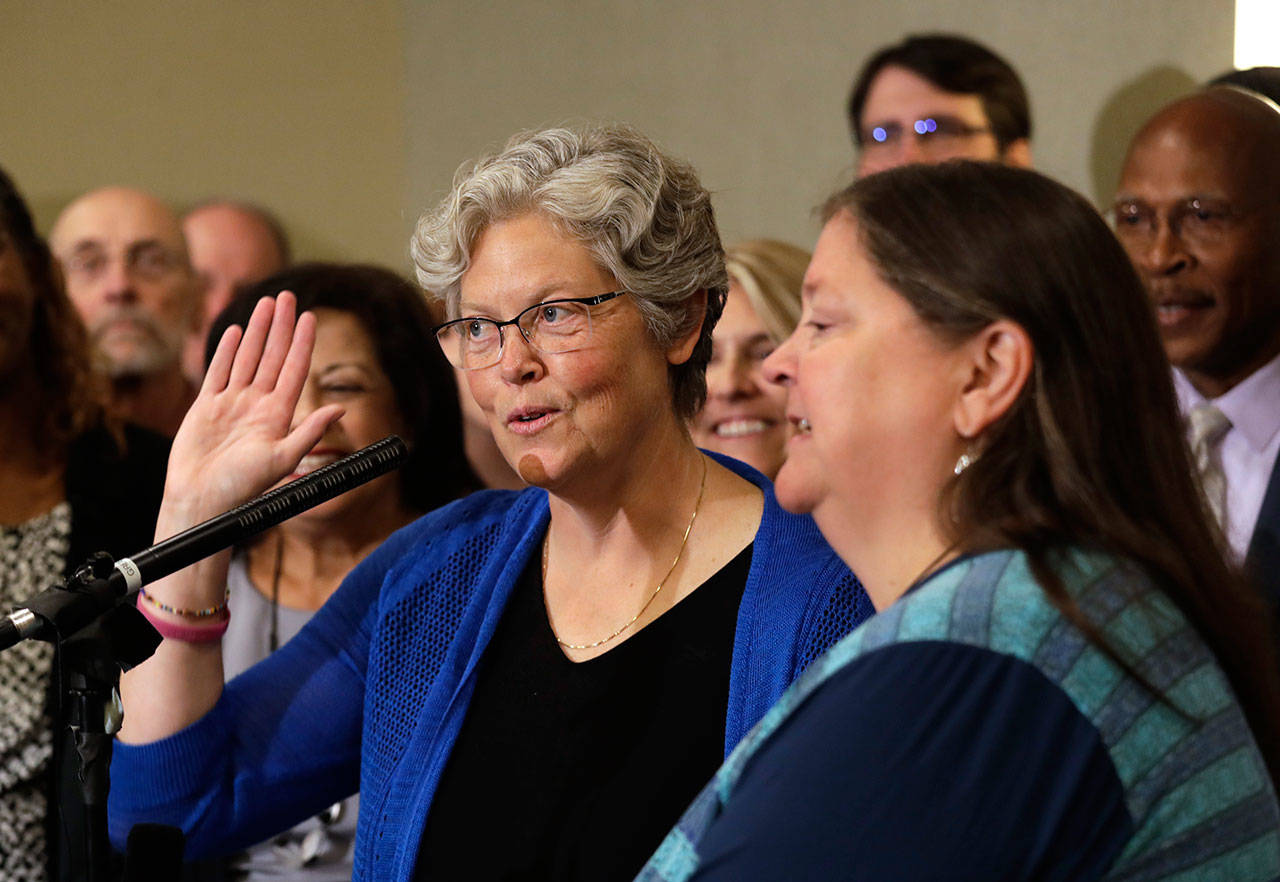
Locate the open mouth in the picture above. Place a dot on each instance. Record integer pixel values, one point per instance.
(741, 428)
(530, 420)
(800, 425)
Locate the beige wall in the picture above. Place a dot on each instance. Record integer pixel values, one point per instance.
(348, 118)
(299, 106)
(753, 92)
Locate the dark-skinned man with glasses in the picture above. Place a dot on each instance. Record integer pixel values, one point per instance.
(936, 97)
(1198, 210)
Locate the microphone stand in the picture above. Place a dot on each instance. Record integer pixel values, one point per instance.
(108, 635)
(90, 665)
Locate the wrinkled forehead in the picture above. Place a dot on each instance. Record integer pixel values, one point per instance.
(117, 220)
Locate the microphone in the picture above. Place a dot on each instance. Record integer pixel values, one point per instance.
(64, 610)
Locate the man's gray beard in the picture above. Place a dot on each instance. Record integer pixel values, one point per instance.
(144, 363)
(152, 353)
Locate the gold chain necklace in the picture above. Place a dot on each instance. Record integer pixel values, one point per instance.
(546, 544)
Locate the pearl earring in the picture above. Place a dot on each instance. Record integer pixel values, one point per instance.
(963, 463)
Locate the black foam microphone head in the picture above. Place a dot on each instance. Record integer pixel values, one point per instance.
(153, 853)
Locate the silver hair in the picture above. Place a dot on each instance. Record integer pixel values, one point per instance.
(643, 215)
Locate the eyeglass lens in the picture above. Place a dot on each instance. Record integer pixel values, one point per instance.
(552, 327)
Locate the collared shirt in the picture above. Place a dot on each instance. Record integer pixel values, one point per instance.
(1248, 449)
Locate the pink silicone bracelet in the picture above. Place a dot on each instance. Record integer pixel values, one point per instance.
(185, 633)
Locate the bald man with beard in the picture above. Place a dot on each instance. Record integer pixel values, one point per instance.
(129, 276)
(1198, 210)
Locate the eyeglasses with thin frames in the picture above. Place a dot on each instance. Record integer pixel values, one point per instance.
(929, 132)
(552, 327)
(149, 261)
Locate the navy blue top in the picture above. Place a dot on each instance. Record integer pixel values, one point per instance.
(993, 771)
(972, 731)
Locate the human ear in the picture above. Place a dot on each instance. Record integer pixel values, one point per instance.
(1017, 153)
(996, 363)
(682, 349)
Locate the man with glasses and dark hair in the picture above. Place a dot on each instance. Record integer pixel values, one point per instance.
(129, 276)
(1198, 210)
(936, 97)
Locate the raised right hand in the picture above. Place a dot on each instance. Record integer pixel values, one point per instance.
(236, 440)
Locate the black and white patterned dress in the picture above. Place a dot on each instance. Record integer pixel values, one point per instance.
(32, 557)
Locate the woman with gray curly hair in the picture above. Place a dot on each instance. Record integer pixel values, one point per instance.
(554, 669)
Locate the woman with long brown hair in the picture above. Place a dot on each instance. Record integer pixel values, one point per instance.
(374, 356)
(1064, 679)
(71, 483)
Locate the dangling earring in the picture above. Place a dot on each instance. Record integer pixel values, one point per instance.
(963, 462)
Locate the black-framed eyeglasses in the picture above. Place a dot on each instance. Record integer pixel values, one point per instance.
(928, 131)
(552, 326)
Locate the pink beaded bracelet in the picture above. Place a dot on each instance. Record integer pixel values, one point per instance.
(207, 633)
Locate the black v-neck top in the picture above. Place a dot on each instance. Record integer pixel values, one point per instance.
(576, 770)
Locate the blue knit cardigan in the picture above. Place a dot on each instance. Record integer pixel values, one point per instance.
(373, 691)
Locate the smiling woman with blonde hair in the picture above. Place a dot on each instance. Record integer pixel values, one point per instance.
(744, 415)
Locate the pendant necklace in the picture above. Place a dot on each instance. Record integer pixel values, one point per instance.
(545, 550)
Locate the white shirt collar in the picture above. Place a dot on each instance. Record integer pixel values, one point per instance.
(1252, 405)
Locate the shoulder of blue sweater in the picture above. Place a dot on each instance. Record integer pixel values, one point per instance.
(476, 511)
(442, 532)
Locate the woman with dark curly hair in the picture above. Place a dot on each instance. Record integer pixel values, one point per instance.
(73, 483)
(375, 356)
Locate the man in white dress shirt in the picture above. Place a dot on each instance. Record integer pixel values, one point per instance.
(1198, 210)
